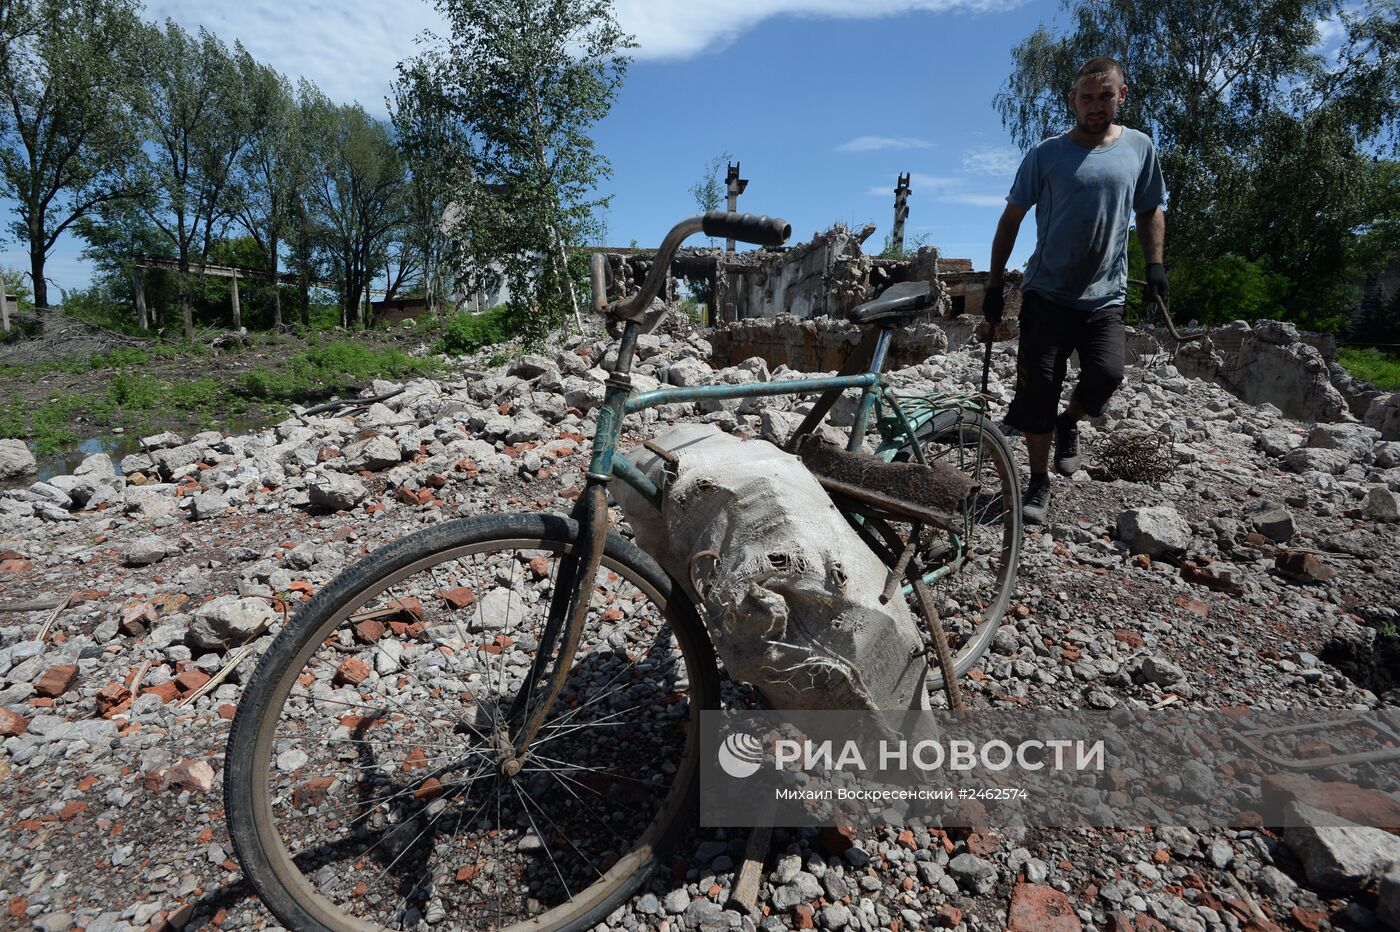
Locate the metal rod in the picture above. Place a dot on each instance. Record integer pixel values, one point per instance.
(940, 639)
(897, 507)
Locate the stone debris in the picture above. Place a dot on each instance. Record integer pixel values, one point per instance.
(1250, 577)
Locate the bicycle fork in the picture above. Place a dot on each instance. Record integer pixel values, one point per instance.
(573, 590)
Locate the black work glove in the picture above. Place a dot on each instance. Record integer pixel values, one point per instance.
(993, 305)
(1156, 283)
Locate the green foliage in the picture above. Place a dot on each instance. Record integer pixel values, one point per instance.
(12, 420)
(1379, 318)
(68, 69)
(524, 80)
(1266, 144)
(355, 196)
(17, 287)
(50, 424)
(325, 369)
(1225, 288)
(136, 390)
(891, 250)
(709, 192)
(466, 333)
(194, 111)
(1380, 369)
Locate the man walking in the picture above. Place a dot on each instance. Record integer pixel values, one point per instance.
(1085, 184)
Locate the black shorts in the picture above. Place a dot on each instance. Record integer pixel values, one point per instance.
(1049, 333)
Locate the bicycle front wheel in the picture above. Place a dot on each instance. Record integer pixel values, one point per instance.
(979, 560)
(371, 778)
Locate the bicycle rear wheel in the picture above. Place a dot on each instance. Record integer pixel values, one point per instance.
(369, 779)
(974, 597)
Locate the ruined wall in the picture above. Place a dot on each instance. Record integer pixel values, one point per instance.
(825, 277)
(820, 345)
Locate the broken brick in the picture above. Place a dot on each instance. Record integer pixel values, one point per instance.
(352, 671)
(56, 680)
(369, 631)
(12, 723)
(459, 597)
(1041, 908)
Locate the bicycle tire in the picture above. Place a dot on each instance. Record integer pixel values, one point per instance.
(256, 791)
(950, 433)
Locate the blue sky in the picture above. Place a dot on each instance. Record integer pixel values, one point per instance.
(824, 102)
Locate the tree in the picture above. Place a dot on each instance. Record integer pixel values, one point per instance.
(708, 192)
(195, 123)
(430, 142)
(67, 73)
(355, 195)
(271, 170)
(1263, 140)
(525, 80)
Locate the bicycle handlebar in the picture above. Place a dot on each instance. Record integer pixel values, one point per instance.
(763, 231)
(747, 228)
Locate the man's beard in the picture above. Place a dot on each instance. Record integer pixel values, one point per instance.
(1095, 126)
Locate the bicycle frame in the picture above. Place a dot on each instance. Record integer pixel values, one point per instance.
(573, 589)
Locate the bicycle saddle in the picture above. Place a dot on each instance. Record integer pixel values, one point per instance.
(902, 300)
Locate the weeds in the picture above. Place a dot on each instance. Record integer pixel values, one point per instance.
(467, 333)
(1380, 369)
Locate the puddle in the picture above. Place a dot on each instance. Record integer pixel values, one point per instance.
(115, 445)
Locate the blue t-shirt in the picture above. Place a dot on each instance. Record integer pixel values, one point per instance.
(1083, 200)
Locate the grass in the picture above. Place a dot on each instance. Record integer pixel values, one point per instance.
(324, 369)
(467, 333)
(136, 400)
(1380, 369)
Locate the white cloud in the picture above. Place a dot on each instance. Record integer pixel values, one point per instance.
(1330, 32)
(349, 48)
(876, 143)
(919, 183)
(974, 200)
(992, 160)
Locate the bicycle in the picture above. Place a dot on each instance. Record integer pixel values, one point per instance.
(495, 720)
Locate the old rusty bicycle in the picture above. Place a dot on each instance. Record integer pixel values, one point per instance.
(493, 723)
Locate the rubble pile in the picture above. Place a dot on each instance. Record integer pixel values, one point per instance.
(1260, 573)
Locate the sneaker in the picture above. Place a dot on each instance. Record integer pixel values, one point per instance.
(1067, 459)
(1035, 501)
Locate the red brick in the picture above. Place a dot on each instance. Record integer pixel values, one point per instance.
(56, 680)
(71, 811)
(15, 566)
(12, 723)
(352, 671)
(113, 698)
(1351, 802)
(167, 691)
(369, 631)
(468, 873)
(1041, 908)
(803, 916)
(190, 680)
(459, 597)
(946, 916)
(312, 792)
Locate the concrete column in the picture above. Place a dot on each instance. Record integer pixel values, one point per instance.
(237, 309)
(4, 304)
(901, 212)
(735, 186)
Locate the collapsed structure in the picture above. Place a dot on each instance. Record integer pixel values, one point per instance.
(789, 306)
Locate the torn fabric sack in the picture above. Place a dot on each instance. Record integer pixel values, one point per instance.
(789, 592)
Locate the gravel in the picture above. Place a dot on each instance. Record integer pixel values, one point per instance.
(1135, 595)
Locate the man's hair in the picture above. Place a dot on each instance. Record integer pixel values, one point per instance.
(1100, 67)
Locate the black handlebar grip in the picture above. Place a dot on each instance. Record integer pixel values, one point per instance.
(747, 228)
